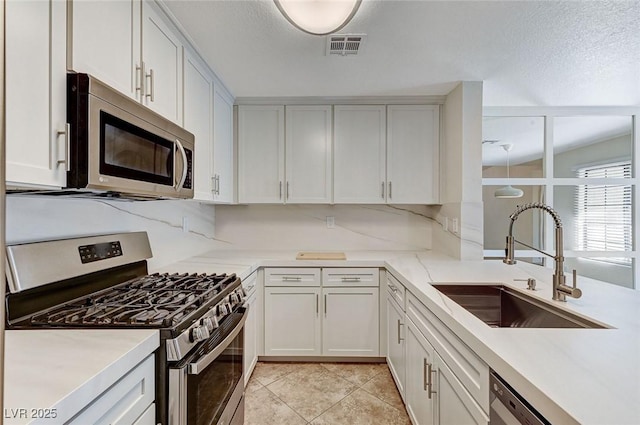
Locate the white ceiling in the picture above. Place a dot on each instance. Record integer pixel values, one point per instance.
(527, 53)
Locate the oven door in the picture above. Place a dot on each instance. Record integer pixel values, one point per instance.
(207, 387)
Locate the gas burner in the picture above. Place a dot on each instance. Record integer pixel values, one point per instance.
(157, 300)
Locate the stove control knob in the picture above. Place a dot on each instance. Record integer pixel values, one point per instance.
(223, 309)
(235, 298)
(198, 333)
(210, 323)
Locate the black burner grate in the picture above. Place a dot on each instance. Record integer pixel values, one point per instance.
(157, 300)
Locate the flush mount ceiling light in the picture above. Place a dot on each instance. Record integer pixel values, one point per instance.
(508, 191)
(318, 17)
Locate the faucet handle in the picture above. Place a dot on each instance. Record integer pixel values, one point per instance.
(531, 283)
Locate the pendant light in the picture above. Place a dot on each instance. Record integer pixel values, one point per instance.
(318, 17)
(508, 191)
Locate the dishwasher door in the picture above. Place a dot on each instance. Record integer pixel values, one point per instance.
(508, 407)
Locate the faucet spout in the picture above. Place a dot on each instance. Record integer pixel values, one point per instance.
(560, 289)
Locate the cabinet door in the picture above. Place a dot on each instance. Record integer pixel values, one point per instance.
(292, 321)
(198, 119)
(162, 59)
(359, 154)
(419, 396)
(260, 154)
(35, 93)
(350, 324)
(222, 144)
(250, 353)
(308, 154)
(396, 344)
(412, 154)
(105, 42)
(454, 404)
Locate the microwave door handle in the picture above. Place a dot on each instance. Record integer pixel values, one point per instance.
(178, 185)
(203, 362)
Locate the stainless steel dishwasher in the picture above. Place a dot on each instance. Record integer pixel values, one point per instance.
(508, 407)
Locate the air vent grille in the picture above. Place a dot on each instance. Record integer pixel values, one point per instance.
(345, 44)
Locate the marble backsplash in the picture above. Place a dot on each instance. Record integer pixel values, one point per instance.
(304, 227)
(34, 218)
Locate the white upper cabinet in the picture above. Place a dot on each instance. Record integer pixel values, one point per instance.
(260, 154)
(105, 42)
(35, 93)
(131, 46)
(412, 154)
(198, 119)
(359, 154)
(308, 154)
(223, 170)
(162, 65)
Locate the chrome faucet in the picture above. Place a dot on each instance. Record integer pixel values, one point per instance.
(560, 289)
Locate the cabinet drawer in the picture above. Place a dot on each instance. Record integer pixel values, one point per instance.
(472, 372)
(396, 290)
(126, 401)
(296, 276)
(350, 277)
(249, 284)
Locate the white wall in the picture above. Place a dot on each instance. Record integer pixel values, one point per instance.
(33, 218)
(303, 227)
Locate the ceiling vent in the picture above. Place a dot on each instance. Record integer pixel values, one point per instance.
(345, 44)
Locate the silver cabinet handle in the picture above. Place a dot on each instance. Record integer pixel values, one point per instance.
(428, 386)
(213, 184)
(185, 165)
(67, 139)
(287, 190)
(291, 278)
(399, 338)
(393, 288)
(317, 308)
(390, 190)
(280, 190)
(150, 95)
(140, 79)
(351, 279)
(425, 379)
(382, 194)
(325, 305)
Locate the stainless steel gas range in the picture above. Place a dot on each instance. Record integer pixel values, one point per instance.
(103, 282)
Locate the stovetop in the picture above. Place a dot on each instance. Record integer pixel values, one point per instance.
(153, 301)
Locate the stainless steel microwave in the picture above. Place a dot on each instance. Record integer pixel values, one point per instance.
(117, 144)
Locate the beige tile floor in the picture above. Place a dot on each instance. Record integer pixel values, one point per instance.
(323, 394)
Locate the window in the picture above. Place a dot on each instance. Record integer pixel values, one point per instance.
(604, 212)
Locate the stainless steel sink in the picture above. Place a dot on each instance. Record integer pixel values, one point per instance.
(502, 307)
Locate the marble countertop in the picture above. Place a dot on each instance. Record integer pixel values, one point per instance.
(66, 369)
(587, 376)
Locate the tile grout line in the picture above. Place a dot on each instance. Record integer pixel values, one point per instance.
(339, 401)
(285, 403)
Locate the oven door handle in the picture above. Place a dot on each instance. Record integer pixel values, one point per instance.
(202, 363)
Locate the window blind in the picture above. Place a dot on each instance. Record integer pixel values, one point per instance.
(604, 212)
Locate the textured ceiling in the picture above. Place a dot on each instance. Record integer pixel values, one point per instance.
(527, 53)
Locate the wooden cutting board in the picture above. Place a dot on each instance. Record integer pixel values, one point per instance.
(304, 255)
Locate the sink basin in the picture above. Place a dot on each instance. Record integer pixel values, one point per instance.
(502, 307)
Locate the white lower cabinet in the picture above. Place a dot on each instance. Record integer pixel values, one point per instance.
(321, 312)
(292, 321)
(126, 402)
(251, 326)
(350, 324)
(434, 395)
(396, 340)
(419, 395)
